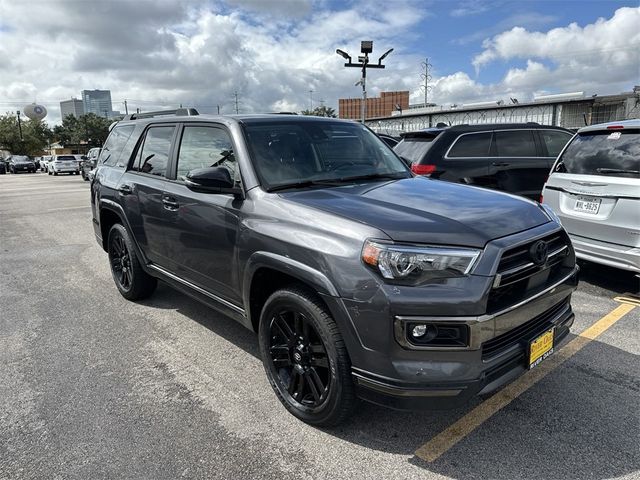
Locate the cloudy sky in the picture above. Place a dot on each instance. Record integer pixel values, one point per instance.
(160, 53)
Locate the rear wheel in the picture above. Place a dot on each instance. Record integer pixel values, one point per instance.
(132, 281)
(305, 358)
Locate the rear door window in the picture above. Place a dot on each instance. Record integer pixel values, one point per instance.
(609, 153)
(515, 143)
(153, 156)
(554, 140)
(471, 145)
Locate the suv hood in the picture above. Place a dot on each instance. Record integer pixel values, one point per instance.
(420, 210)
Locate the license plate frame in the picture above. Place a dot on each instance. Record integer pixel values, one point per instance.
(541, 347)
(588, 205)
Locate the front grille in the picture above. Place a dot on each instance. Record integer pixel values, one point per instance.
(518, 277)
(525, 332)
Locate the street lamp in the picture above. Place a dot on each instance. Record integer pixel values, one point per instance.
(366, 47)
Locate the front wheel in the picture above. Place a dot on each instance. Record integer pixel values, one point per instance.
(305, 358)
(132, 281)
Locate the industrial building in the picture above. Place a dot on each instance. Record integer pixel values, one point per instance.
(377, 107)
(570, 110)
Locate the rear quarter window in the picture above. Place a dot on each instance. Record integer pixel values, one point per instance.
(606, 153)
(471, 145)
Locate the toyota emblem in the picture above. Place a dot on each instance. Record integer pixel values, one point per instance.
(538, 252)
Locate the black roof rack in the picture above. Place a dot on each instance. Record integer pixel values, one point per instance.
(180, 112)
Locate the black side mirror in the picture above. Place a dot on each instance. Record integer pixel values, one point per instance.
(211, 180)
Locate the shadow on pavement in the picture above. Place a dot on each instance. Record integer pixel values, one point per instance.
(579, 422)
(609, 278)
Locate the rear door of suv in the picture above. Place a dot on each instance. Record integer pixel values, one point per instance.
(517, 164)
(594, 186)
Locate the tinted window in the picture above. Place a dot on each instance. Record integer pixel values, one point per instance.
(414, 149)
(607, 153)
(153, 157)
(205, 147)
(515, 143)
(114, 144)
(471, 145)
(555, 141)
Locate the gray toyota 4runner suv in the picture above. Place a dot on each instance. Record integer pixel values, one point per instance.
(361, 280)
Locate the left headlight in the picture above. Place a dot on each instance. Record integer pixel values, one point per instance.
(413, 265)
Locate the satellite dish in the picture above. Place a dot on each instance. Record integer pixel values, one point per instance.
(35, 112)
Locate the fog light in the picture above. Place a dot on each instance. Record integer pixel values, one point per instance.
(419, 331)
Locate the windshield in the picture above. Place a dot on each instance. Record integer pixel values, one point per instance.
(20, 158)
(608, 153)
(305, 152)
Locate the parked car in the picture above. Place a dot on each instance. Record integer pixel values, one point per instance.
(63, 164)
(594, 187)
(90, 163)
(36, 161)
(44, 163)
(3, 167)
(512, 157)
(21, 163)
(361, 279)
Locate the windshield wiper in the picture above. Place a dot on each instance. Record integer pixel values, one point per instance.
(373, 176)
(616, 170)
(306, 183)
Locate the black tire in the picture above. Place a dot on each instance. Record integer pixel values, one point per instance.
(132, 281)
(49, 172)
(55, 173)
(315, 386)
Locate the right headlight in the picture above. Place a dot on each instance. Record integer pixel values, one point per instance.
(413, 265)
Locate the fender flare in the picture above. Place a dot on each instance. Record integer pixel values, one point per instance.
(286, 265)
(118, 210)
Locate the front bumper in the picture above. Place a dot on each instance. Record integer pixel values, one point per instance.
(412, 379)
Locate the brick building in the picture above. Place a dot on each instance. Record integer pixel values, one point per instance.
(377, 107)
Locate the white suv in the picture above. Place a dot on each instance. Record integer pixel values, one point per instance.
(63, 164)
(594, 187)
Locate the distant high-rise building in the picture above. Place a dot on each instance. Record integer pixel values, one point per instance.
(71, 107)
(98, 102)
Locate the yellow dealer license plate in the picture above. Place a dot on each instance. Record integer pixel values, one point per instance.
(540, 348)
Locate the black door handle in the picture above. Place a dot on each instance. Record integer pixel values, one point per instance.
(500, 164)
(125, 189)
(170, 203)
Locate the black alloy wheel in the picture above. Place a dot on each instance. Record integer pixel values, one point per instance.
(305, 358)
(120, 262)
(299, 359)
(132, 281)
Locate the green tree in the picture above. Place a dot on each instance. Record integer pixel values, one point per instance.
(35, 135)
(89, 128)
(321, 111)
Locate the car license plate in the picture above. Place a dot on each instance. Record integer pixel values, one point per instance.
(541, 348)
(588, 205)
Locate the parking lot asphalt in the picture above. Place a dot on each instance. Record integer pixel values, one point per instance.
(94, 386)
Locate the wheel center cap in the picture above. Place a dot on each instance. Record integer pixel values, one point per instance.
(297, 357)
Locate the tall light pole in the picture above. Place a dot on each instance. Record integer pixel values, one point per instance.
(366, 47)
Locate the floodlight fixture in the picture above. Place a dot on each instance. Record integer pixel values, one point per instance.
(384, 55)
(344, 54)
(366, 46)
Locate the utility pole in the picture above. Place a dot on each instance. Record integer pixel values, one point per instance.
(235, 94)
(310, 101)
(426, 77)
(366, 47)
(218, 109)
(126, 110)
(19, 124)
